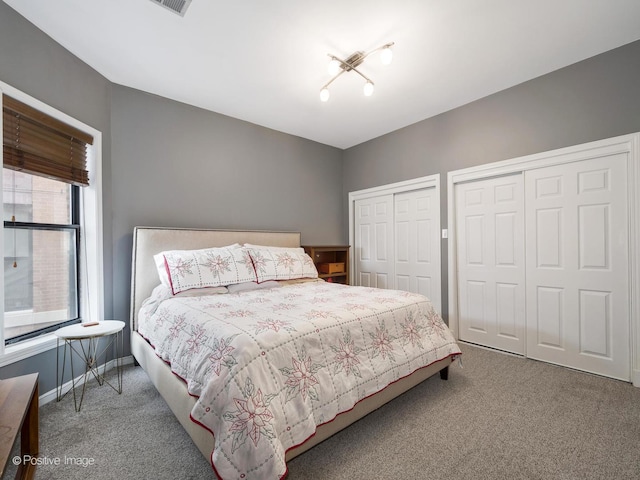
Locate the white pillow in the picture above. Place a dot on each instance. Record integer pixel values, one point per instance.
(209, 267)
(281, 264)
(161, 266)
(270, 247)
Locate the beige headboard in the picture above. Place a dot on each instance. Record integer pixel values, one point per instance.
(148, 241)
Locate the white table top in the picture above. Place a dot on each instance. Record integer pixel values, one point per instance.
(77, 331)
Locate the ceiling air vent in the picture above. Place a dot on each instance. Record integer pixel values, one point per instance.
(176, 6)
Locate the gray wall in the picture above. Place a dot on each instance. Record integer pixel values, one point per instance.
(240, 175)
(180, 166)
(33, 63)
(590, 100)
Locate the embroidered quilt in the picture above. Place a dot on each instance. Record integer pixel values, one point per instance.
(270, 365)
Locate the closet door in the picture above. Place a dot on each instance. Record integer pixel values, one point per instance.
(490, 253)
(417, 256)
(373, 259)
(577, 265)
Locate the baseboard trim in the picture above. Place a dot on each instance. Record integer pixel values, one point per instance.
(51, 395)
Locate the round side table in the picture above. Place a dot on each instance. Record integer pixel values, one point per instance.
(87, 338)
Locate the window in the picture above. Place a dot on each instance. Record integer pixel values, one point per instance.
(41, 235)
(44, 170)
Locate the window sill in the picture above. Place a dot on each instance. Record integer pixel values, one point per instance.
(29, 348)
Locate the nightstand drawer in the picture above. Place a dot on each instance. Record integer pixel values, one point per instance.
(337, 267)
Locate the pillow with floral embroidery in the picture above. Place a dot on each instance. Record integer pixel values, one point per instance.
(209, 267)
(281, 264)
(161, 265)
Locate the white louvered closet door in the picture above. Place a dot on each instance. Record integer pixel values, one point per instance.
(577, 265)
(490, 253)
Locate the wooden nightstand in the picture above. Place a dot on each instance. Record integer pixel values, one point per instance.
(332, 261)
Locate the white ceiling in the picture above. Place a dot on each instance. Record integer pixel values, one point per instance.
(264, 61)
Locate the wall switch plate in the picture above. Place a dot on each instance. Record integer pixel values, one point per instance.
(445, 233)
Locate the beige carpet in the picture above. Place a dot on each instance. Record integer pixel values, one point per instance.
(499, 417)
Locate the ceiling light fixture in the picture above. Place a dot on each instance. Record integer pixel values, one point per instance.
(337, 67)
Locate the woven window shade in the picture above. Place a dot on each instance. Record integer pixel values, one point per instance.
(39, 144)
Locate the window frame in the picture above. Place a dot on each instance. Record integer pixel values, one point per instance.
(90, 253)
(77, 229)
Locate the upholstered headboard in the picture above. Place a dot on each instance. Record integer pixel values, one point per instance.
(148, 241)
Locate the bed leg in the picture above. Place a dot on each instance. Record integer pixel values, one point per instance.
(444, 373)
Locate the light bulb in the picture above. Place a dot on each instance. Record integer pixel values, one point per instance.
(324, 94)
(368, 89)
(386, 55)
(334, 67)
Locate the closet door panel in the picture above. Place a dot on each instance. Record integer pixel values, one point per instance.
(550, 326)
(577, 265)
(417, 260)
(373, 241)
(490, 252)
(507, 309)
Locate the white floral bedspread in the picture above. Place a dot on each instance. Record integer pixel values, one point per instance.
(270, 365)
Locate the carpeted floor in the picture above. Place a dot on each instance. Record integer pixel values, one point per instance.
(499, 417)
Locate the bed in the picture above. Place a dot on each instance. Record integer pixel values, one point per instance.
(292, 436)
